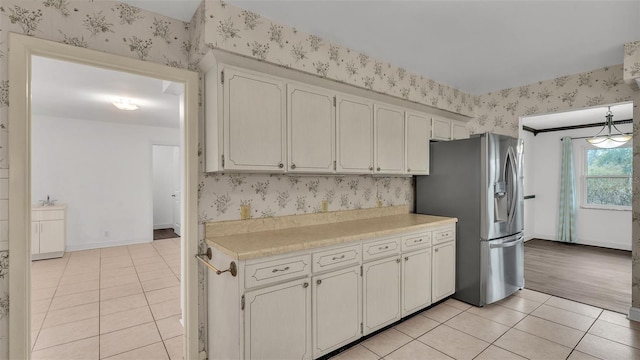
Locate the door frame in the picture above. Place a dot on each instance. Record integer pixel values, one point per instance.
(22, 48)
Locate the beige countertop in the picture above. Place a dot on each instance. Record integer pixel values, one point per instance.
(275, 242)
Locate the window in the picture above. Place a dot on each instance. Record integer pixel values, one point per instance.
(608, 178)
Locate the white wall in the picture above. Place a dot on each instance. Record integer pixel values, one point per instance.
(103, 172)
(608, 228)
(164, 172)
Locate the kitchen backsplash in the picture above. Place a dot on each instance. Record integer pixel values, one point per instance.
(221, 195)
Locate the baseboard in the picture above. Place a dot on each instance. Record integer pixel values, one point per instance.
(100, 245)
(162, 226)
(634, 314)
(587, 242)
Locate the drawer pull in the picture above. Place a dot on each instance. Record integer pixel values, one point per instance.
(276, 270)
(305, 285)
(383, 247)
(318, 282)
(406, 258)
(338, 257)
(417, 240)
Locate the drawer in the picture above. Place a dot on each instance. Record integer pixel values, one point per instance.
(40, 215)
(276, 270)
(416, 241)
(380, 248)
(444, 235)
(336, 257)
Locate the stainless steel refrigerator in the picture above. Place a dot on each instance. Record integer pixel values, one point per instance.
(479, 181)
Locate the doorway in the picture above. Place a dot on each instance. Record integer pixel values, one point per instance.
(24, 48)
(167, 192)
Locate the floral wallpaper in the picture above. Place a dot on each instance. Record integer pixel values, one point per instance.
(631, 61)
(121, 29)
(233, 29)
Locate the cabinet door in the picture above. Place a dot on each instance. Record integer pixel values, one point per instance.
(459, 130)
(440, 129)
(336, 310)
(311, 124)
(381, 293)
(389, 140)
(277, 322)
(417, 139)
(254, 122)
(35, 237)
(444, 270)
(354, 123)
(416, 281)
(51, 236)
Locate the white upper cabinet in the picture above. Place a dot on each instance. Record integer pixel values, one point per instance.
(311, 129)
(440, 128)
(254, 122)
(459, 130)
(389, 139)
(417, 143)
(354, 124)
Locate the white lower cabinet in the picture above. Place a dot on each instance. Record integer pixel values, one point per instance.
(416, 281)
(444, 270)
(336, 308)
(307, 304)
(48, 232)
(277, 322)
(381, 293)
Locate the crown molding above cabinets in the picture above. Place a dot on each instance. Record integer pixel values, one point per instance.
(261, 118)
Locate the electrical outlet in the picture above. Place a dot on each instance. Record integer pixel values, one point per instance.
(245, 212)
(325, 205)
(378, 202)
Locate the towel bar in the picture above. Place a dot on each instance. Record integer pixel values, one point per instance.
(233, 269)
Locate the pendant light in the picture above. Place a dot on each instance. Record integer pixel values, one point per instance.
(609, 140)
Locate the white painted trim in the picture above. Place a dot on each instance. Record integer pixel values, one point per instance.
(163, 226)
(634, 314)
(586, 242)
(22, 48)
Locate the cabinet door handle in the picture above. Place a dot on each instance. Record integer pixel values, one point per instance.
(276, 270)
(408, 170)
(293, 166)
(305, 285)
(436, 250)
(378, 169)
(383, 247)
(338, 257)
(280, 165)
(370, 168)
(406, 258)
(318, 281)
(397, 260)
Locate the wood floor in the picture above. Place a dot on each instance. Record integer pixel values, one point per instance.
(587, 274)
(162, 234)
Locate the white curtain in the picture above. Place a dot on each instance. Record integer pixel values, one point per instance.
(567, 210)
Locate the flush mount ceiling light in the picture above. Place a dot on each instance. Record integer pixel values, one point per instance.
(125, 104)
(608, 140)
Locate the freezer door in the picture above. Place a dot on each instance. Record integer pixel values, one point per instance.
(502, 268)
(502, 200)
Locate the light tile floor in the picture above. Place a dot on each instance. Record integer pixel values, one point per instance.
(113, 303)
(527, 325)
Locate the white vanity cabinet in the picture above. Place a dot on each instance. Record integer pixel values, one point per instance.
(311, 129)
(254, 121)
(48, 231)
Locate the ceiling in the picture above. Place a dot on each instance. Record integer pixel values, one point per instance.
(70, 90)
(476, 46)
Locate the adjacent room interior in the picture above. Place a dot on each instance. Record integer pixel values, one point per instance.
(593, 265)
(106, 195)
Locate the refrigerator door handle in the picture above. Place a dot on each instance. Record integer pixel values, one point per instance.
(513, 183)
(507, 244)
